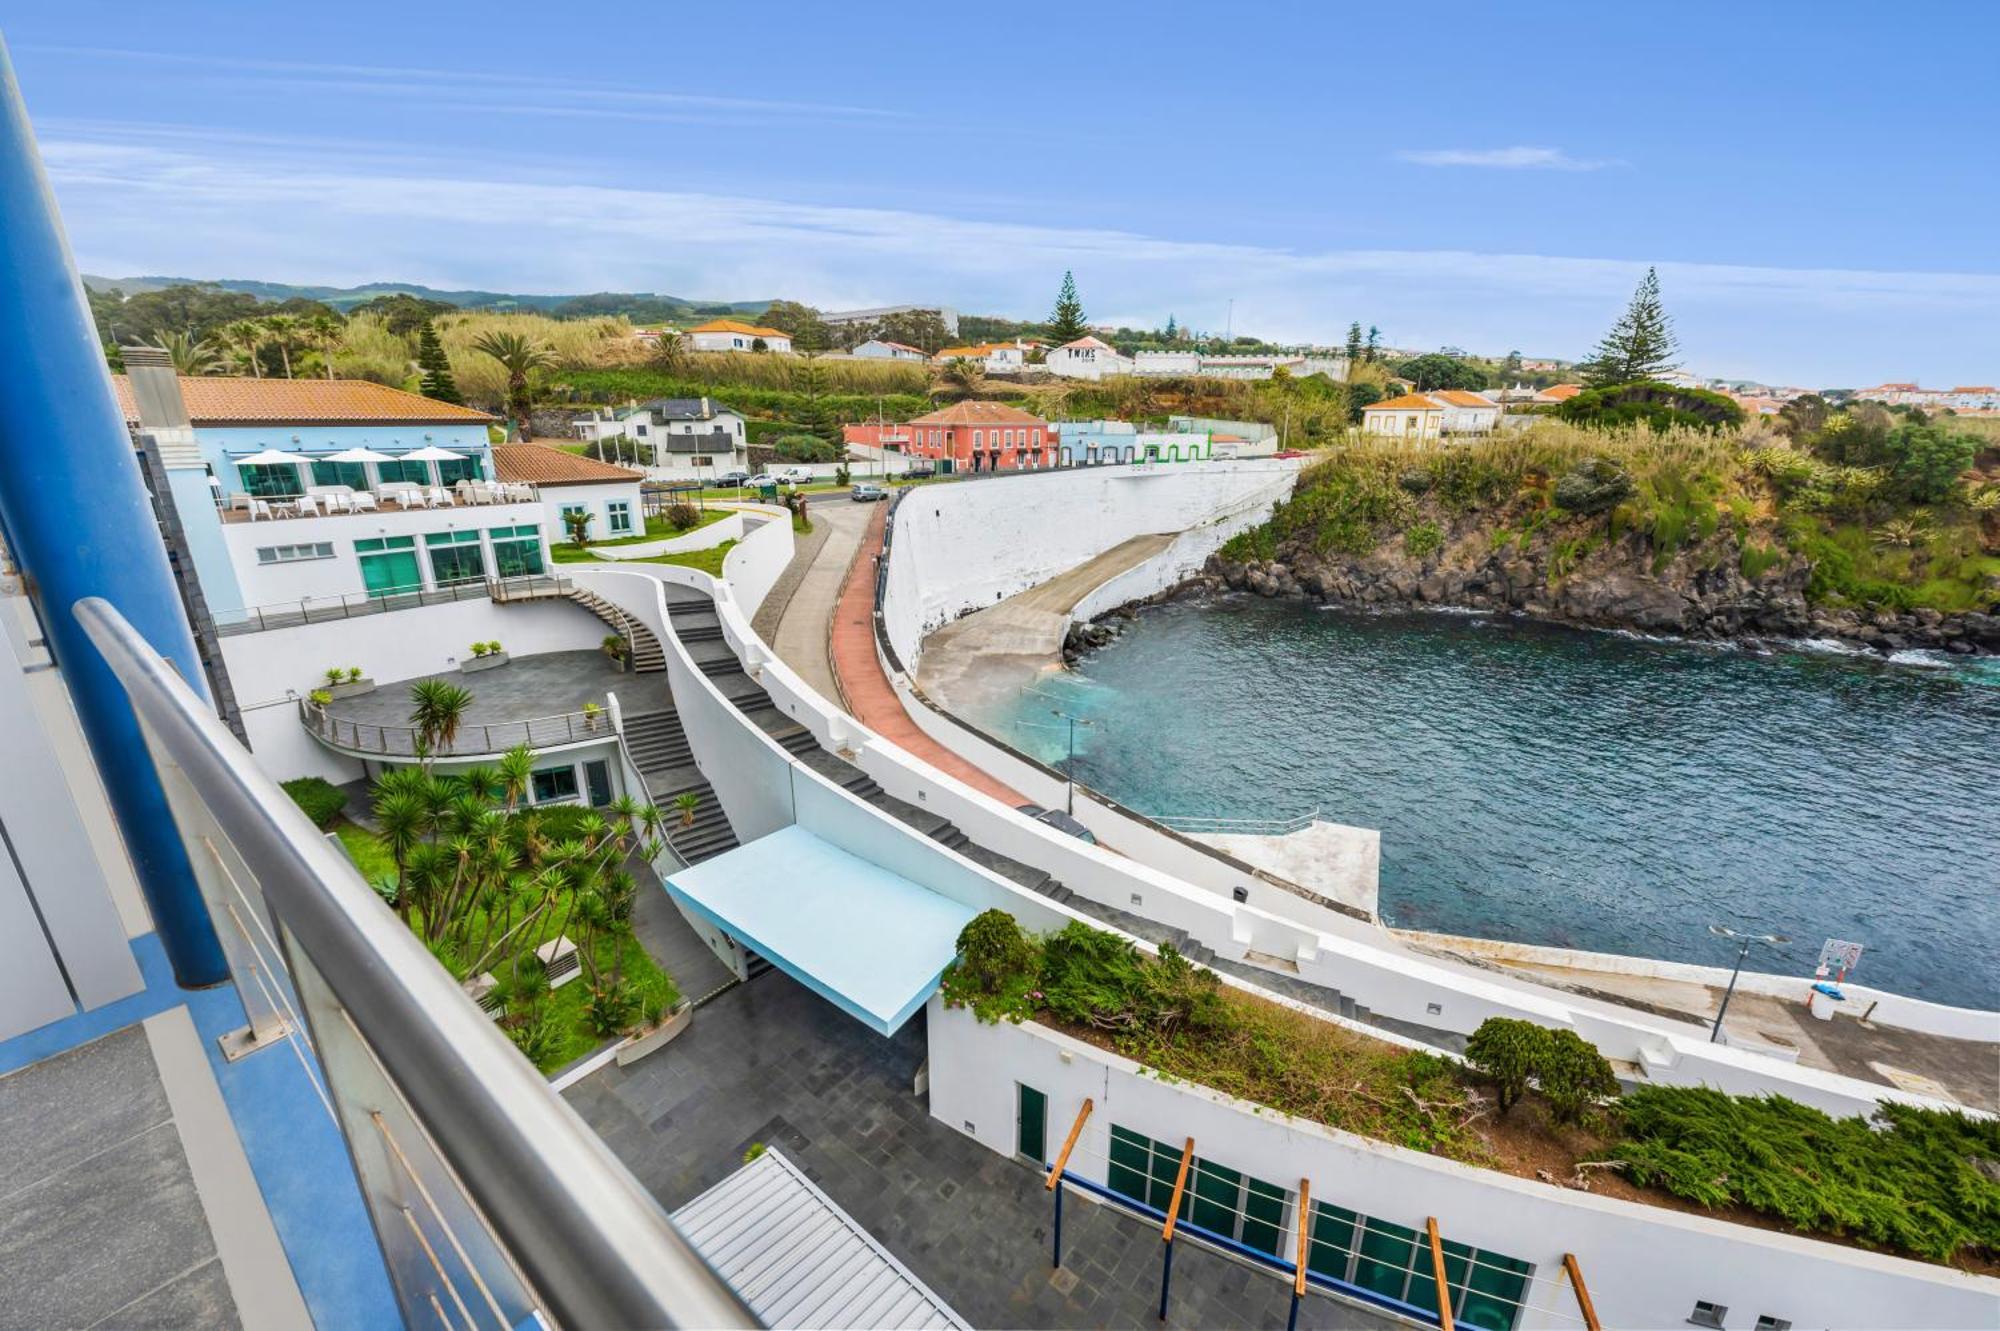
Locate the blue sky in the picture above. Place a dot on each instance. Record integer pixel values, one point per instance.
(1818, 190)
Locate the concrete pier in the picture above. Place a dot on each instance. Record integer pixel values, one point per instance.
(1341, 863)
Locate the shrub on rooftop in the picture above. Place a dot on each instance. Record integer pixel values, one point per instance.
(320, 798)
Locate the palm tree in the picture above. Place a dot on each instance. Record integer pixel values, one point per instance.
(436, 708)
(517, 773)
(323, 329)
(245, 337)
(964, 373)
(285, 330)
(190, 354)
(518, 355)
(400, 817)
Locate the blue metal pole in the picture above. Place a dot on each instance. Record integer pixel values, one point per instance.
(1059, 1193)
(78, 519)
(1292, 1318)
(1166, 1276)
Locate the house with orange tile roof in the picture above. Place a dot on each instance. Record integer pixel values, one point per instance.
(1557, 393)
(568, 483)
(291, 492)
(993, 357)
(980, 436)
(1436, 414)
(735, 335)
(881, 348)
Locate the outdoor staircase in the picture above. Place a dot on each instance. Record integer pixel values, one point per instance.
(665, 759)
(643, 651)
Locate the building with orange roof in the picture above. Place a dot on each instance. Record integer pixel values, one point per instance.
(568, 483)
(1088, 358)
(289, 491)
(994, 357)
(1555, 393)
(1441, 412)
(881, 348)
(735, 335)
(980, 436)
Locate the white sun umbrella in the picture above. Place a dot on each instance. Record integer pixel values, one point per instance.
(272, 457)
(432, 453)
(361, 455)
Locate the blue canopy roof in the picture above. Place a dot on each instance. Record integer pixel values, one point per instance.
(868, 940)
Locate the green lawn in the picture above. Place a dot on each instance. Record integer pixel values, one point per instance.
(657, 529)
(366, 850)
(709, 561)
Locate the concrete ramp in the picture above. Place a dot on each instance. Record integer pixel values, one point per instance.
(982, 659)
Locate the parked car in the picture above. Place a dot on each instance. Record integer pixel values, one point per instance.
(793, 476)
(734, 478)
(763, 478)
(867, 492)
(1059, 820)
(920, 472)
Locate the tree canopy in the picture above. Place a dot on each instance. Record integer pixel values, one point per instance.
(1437, 370)
(1066, 321)
(1661, 406)
(1639, 346)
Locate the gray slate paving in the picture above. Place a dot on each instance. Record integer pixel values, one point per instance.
(769, 1061)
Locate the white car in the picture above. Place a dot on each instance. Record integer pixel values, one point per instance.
(763, 478)
(794, 476)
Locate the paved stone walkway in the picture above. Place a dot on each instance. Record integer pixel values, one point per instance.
(805, 549)
(801, 635)
(771, 1062)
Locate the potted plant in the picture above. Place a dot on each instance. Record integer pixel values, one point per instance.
(661, 1014)
(485, 656)
(346, 682)
(591, 712)
(614, 648)
(319, 697)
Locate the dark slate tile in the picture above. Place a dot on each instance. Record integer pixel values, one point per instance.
(200, 1298)
(64, 1109)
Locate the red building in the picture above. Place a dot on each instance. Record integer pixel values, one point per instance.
(978, 436)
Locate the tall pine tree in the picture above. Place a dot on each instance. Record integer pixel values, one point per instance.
(436, 367)
(1354, 343)
(1639, 346)
(1373, 351)
(1066, 321)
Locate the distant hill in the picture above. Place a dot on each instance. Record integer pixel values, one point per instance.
(642, 305)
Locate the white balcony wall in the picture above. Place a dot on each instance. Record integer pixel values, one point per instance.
(1646, 1266)
(702, 538)
(271, 670)
(757, 562)
(262, 584)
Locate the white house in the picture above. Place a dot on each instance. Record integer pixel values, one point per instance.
(993, 357)
(1467, 412)
(734, 335)
(876, 348)
(681, 438)
(1087, 358)
(1411, 415)
(565, 483)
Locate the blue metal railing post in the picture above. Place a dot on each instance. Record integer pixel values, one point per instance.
(1166, 1276)
(80, 523)
(1059, 1193)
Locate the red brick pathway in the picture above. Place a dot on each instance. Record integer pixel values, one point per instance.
(870, 697)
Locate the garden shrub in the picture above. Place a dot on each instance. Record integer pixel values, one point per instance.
(1923, 1180)
(994, 974)
(1757, 560)
(1570, 1072)
(320, 798)
(682, 516)
(1423, 540)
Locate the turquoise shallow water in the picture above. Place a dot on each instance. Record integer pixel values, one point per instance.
(1586, 790)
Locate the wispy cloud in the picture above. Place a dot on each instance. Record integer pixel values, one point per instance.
(344, 214)
(1503, 159)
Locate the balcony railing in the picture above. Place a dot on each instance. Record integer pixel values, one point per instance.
(493, 1202)
(1199, 824)
(319, 609)
(402, 741)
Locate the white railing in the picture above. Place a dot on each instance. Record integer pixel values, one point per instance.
(1195, 824)
(486, 738)
(350, 605)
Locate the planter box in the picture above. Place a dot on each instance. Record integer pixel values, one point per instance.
(618, 664)
(638, 1046)
(351, 690)
(474, 664)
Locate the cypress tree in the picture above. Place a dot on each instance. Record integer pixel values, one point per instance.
(1354, 343)
(1373, 351)
(436, 367)
(1066, 321)
(1639, 346)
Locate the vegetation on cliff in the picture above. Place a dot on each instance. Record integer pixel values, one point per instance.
(1873, 511)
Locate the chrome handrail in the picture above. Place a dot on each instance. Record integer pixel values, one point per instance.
(473, 740)
(596, 1246)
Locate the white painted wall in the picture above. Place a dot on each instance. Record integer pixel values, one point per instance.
(267, 668)
(593, 499)
(962, 547)
(1646, 1266)
(276, 584)
(759, 559)
(702, 538)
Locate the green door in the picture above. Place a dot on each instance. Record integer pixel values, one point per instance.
(1031, 1126)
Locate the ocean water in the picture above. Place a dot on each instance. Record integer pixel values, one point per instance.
(1596, 790)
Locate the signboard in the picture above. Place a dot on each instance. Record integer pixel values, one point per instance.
(1838, 955)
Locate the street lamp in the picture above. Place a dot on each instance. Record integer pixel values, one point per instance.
(1743, 950)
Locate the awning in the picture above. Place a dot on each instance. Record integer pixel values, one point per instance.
(799, 1260)
(865, 938)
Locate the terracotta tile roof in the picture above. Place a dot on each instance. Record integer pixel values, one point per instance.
(1407, 402)
(979, 413)
(1559, 392)
(1459, 397)
(900, 346)
(1975, 388)
(221, 400)
(977, 349)
(539, 464)
(734, 326)
(1090, 342)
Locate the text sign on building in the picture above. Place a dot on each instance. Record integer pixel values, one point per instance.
(1837, 954)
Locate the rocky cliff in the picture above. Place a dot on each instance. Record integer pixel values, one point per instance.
(1706, 590)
